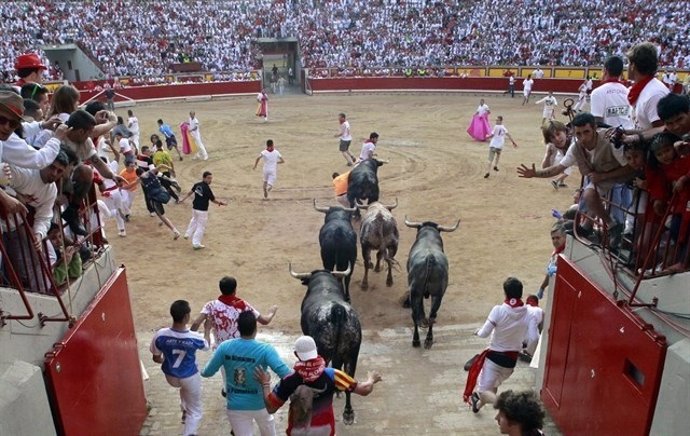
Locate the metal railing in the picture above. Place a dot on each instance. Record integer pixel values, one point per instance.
(656, 246)
(27, 268)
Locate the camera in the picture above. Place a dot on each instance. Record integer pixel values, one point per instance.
(617, 137)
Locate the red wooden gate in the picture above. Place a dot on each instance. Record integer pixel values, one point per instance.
(604, 364)
(94, 374)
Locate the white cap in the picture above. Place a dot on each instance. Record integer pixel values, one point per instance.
(305, 347)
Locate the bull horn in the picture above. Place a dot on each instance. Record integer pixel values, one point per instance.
(299, 276)
(392, 206)
(341, 274)
(449, 229)
(320, 208)
(348, 209)
(414, 225)
(360, 205)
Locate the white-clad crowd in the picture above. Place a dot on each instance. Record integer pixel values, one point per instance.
(144, 38)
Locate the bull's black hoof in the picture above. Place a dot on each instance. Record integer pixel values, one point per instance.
(428, 343)
(406, 302)
(377, 268)
(416, 343)
(389, 283)
(364, 286)
(349, 417)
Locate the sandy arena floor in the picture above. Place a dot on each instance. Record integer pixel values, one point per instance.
(436, 173)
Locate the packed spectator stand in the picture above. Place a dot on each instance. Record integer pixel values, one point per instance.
(131, 38)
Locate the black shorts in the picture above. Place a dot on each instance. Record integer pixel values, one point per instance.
(171, 142)
(344, 145)
(158, 207)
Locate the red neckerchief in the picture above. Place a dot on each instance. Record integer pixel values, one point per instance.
(230, 300)
(514, 302)
(558, 250)
(637, 88)
(311, 369)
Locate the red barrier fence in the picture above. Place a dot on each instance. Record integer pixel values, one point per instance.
(438, 84)
(178, 90)
(594, 389)
(94, 374)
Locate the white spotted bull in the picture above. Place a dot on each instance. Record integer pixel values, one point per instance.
(427, 275)
(378, 231)
(332, 322)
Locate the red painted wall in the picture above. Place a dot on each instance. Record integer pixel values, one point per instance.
(603, 366)
(94, 377)
(450, 83)
(180, 90)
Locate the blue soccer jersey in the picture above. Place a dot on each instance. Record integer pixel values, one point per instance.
(179, 349)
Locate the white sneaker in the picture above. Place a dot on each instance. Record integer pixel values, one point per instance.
(198, 247)
(152, 214)
(122, 233)
(186, 236)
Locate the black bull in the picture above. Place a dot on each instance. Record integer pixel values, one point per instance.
(332, 323)
(338, 242)
(427, 275)
(363, 182)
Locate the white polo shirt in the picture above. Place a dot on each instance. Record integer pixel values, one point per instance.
(644, 111)
(610, 102)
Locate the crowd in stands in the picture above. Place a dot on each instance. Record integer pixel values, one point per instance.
(131, 38)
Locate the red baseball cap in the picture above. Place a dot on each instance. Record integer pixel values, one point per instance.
(29, 60)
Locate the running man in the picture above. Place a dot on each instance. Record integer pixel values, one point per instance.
(175, 348)
(498, 137)
(170, 139)
(272, 158)
(345, 139)
(550, 104)
(202, 197)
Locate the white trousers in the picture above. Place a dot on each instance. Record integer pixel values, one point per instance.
(492, 376)
(197, 226)
(115, 204)
(201, 152)
(242, 422)
(190, 400)
(127, 200)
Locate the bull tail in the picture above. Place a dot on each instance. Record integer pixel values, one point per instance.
(430, 263)
(338, 320)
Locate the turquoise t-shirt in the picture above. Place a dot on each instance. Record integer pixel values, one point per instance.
(240, 357)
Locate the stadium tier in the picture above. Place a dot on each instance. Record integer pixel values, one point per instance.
(129, 38)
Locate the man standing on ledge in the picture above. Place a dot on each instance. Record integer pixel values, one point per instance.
(202, 196)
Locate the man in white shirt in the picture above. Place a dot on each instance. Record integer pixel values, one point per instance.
(196, 134)
(550, 104)
(133, 126)
(610, 99)
(581, 98)
(345, 139)
(538, 73)
(508, 325)
(498, 137)
(645, 94)
(36, 188)
(527, 89)
(369, 147)
(272, 158)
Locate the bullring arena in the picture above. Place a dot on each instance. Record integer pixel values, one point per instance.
(436, 173)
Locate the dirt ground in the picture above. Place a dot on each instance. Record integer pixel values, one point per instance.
(436, 172)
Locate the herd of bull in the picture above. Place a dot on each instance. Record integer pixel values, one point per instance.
(327, 314)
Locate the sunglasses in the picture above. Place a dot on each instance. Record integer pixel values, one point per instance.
(14, 124)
